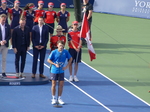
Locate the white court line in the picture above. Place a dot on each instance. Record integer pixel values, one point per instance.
(116, 83)
(80, 89)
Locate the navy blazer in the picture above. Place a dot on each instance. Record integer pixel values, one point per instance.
(17, 37)
(7, 34)
(36, 36)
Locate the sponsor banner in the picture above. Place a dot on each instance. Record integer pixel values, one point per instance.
(134, 8)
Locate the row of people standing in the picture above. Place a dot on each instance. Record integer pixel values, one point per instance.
(31, 14)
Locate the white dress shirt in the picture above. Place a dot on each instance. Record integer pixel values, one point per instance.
(3, 31)
(40, 27)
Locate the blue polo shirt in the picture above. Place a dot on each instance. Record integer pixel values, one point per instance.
(58, 58)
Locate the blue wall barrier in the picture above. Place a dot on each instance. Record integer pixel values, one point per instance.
(57, 3)
(133, 8)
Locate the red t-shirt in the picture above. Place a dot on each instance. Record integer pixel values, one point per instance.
(54, 39)
(75, 38)
(38, 13)
(50, 16)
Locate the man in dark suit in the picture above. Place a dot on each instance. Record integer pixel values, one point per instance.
(20, 44)
(4, 41)
(39, 41)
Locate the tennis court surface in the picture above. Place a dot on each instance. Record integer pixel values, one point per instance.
(94, 92)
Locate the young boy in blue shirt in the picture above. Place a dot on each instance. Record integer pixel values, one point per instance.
(57, 59)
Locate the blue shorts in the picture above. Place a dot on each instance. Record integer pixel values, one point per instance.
(50, 28)
(55, 77)
(75, 56)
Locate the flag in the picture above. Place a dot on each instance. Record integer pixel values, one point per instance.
(85, 33)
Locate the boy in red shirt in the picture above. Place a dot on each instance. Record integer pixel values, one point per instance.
(55, 38)
(50, 16)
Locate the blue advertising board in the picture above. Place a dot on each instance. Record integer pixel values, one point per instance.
(57, 3)
(134, 8)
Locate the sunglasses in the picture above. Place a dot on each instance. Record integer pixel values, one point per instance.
(50, 6)
(63, 6)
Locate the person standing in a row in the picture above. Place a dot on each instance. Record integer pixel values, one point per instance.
(75, 45)
(39, 12)
(63, 17)
(39, 41)
(4, 41)
(4, 9)
(15, 14)
(20, 44)
(29, 15)
(50, 17)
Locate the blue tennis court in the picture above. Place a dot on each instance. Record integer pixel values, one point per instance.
(94, 92)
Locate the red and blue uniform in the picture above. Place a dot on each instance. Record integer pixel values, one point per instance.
(54, 39)
(29, 19)
(75, 38)
(63, 20)
(50, 20)
(15, 17)
(38, 13)
(6, 11)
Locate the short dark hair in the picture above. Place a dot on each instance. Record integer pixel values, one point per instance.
(61, 42)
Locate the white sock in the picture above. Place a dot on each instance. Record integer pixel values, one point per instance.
(53, 97)
(59, 97)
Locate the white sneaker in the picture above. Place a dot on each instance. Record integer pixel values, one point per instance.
(22, 75)
(76, 79)
(17, 75)
(60, 101)
(53, 101)
(70, 78)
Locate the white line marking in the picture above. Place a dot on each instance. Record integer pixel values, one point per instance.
(116, 83)
(79, 89)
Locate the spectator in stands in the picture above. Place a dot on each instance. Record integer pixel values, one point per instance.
(75, 44)
(50, 17)
(55, 38)
(39, 12)
(63, 17)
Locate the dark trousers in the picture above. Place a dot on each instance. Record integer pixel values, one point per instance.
(21, 53)
(36, 53)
